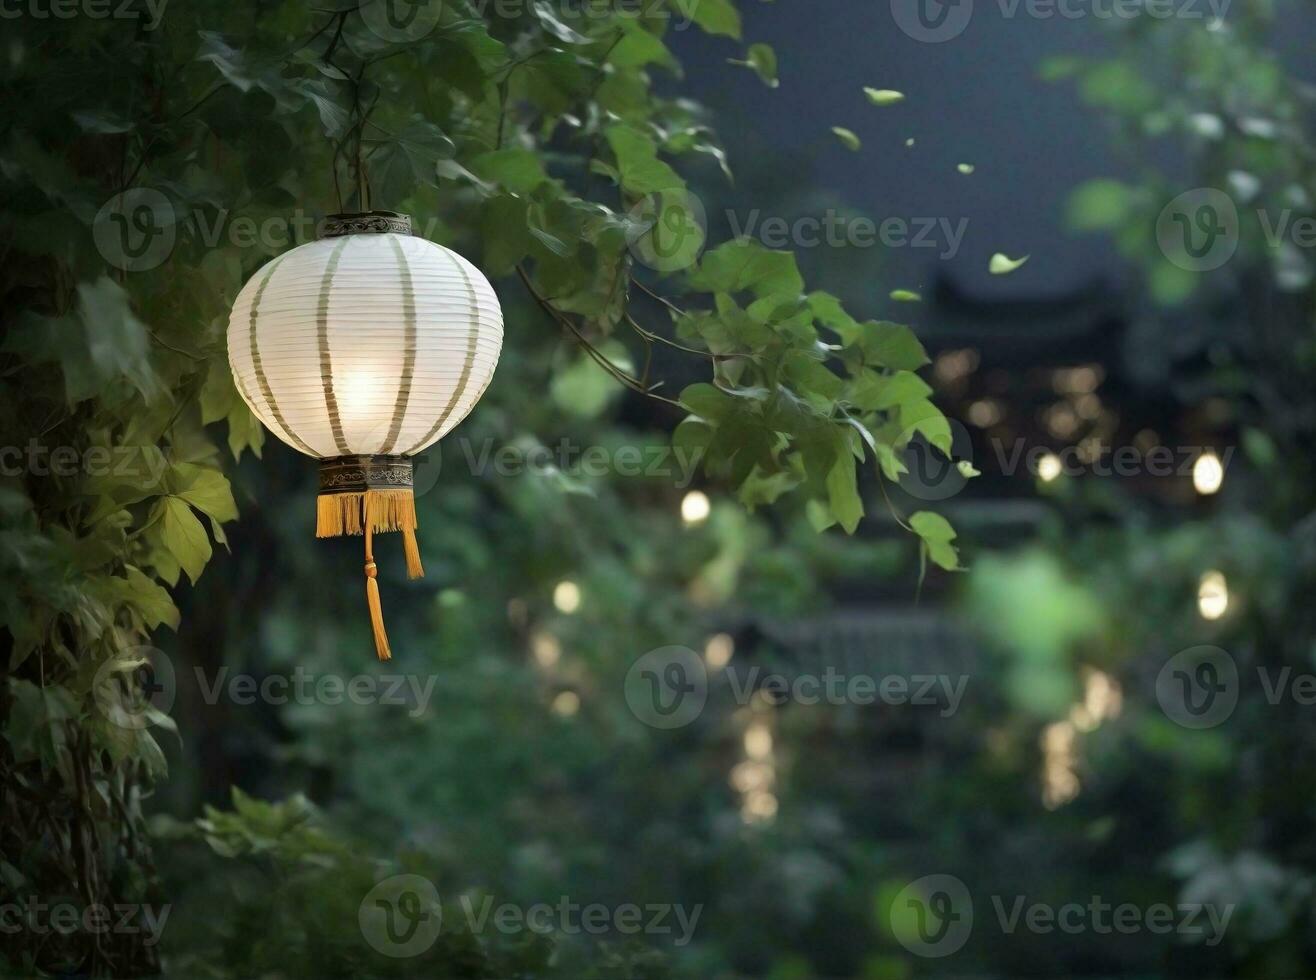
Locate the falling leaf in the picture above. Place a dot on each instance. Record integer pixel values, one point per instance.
(847, 137)
(910, 141)
(965, 168)
(763, 60)
(883, 96)
(906, 296)
(1001, 264)
(967, 469)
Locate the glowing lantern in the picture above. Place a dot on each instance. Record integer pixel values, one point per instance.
(362, 349)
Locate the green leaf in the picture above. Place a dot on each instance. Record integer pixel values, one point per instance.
(36, 726)
(707, 401)
(906, 296)
(1099, 205)
(639, 47)
(205, 489)
(892, 345)
(746, 265)
(116, 340)
(924, 418)
(715, 16)
(637, 162)
(936, 534)
(890, 391)
(762, 59)
(965, 168)
(843, 488)
(848, 138)
(883, 96)
(520, 171)
(184, 536)
(1001, 264)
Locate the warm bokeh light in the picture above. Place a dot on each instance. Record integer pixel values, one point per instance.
(719, 650)
(567, 596)
(759, 807)
(566, 704)
(750, 776)
(695, 507)
(758, 741)
(1208, 474)
(1059, 780)
(546, 649)
(1049, 467)
(985, 412)
(1213, 595)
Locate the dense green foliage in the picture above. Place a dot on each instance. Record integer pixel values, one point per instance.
(536, 143)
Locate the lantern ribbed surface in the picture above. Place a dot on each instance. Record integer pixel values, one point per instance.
(364, 344)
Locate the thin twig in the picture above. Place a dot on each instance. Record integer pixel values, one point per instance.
(635, 384)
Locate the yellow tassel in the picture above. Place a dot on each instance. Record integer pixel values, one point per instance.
(376, 614)
(366, 512)
(372, 600)
(414, 568)
(337, 514)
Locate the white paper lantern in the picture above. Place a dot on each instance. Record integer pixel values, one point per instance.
(362, 349)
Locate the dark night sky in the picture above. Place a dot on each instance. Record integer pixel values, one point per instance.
(975, 98)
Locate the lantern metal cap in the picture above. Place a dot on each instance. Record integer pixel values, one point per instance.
(365, 223)
(357, 474)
